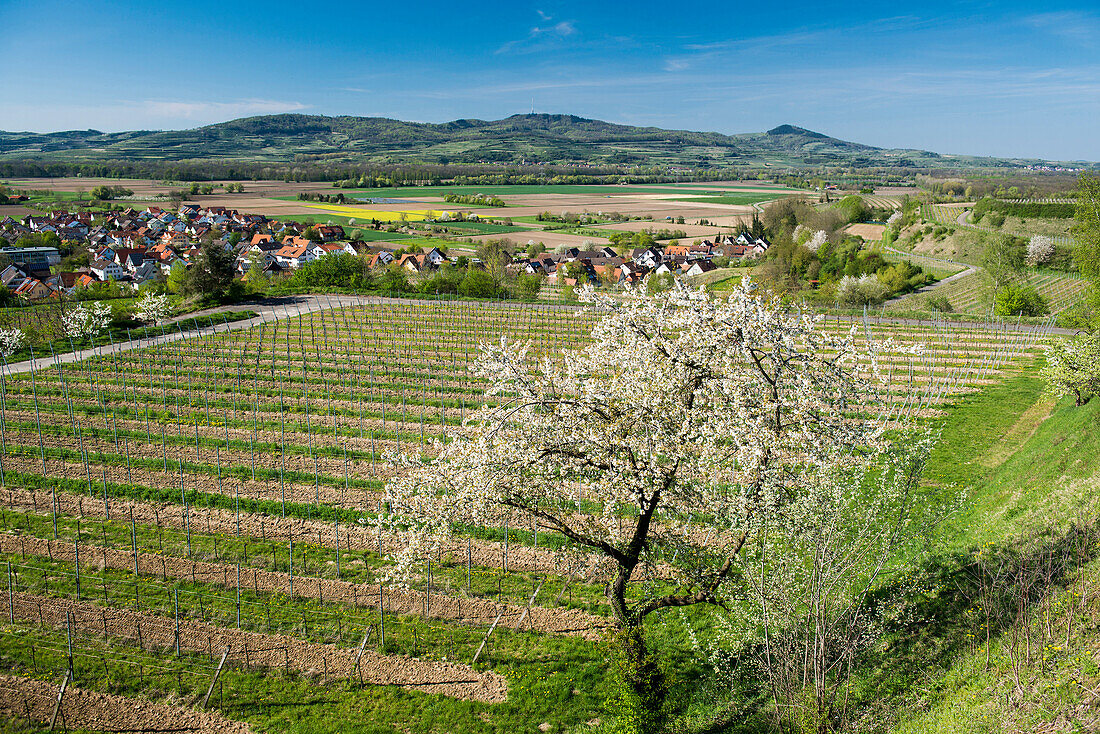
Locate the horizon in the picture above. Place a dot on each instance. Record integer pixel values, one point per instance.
(528, 114)
(1028, 88)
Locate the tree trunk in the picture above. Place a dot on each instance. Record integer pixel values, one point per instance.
(644, 683)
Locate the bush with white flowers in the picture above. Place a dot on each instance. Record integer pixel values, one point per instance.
(11, 341)
(1040, 249)
(89, 322)
(153, 308)
(862, 291)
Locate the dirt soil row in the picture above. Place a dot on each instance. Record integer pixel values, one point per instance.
(90, 710)
(264, 490)
(265, 650)
(483, 553)
(405, 602)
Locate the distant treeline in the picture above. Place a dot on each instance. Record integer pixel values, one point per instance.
(1026, 210)
(358, 176)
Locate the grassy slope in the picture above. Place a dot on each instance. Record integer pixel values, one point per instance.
(1030, 464)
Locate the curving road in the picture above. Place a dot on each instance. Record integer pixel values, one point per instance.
(968, 270)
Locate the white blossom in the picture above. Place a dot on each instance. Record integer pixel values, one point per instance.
(817, 239)
(11, 341)
(1039, 250)
(90, 322)
(1073, 367)
(894, 218)
(681, 408)
(153, 308)
(864, 290)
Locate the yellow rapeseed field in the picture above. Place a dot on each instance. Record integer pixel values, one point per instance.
(410, 215)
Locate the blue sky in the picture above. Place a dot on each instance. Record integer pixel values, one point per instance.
(990, 78)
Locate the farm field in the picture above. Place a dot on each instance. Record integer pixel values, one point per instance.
(213, 496)
(727, 204)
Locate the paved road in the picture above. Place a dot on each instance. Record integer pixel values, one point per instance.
(924, 290)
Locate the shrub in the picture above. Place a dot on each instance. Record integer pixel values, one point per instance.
(1039, 250)
(1016, 299)
(939, 303)
(861, 291)
(477, 284)
(527, 287)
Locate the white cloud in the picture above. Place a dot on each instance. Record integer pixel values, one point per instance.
(565, 28)
(216, 110)
(539, 37)
(1070, 25)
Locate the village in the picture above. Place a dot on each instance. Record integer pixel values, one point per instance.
(135, 248)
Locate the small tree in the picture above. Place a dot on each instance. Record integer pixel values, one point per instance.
(212, 272)
(862, 291)
(153, 308)
(87, 322)
(659, 283)
(1019, 299)
(177, 277)
(477, 284)
(1039, 250)
(11, 341)
(1073, 367)
(527, 286)
(1003, 259)
(687, 421)
(811, 571)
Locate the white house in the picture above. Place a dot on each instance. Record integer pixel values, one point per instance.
(107, 270)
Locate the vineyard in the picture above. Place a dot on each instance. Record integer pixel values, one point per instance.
(971, 293)
(188, 534)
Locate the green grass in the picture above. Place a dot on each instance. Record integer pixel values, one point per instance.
(362, 224)
(975, 425)
(558, 680)
(1050, 477)
(1027, 466)
(481, 227)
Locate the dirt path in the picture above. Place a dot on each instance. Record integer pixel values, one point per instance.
(90, 710)
(265, 650)
(406, 602)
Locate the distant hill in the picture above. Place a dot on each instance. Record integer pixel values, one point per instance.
(533, 138)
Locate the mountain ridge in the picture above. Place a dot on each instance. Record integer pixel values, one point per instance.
(517, 139)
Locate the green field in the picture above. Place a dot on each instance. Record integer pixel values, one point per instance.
(483, 227)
